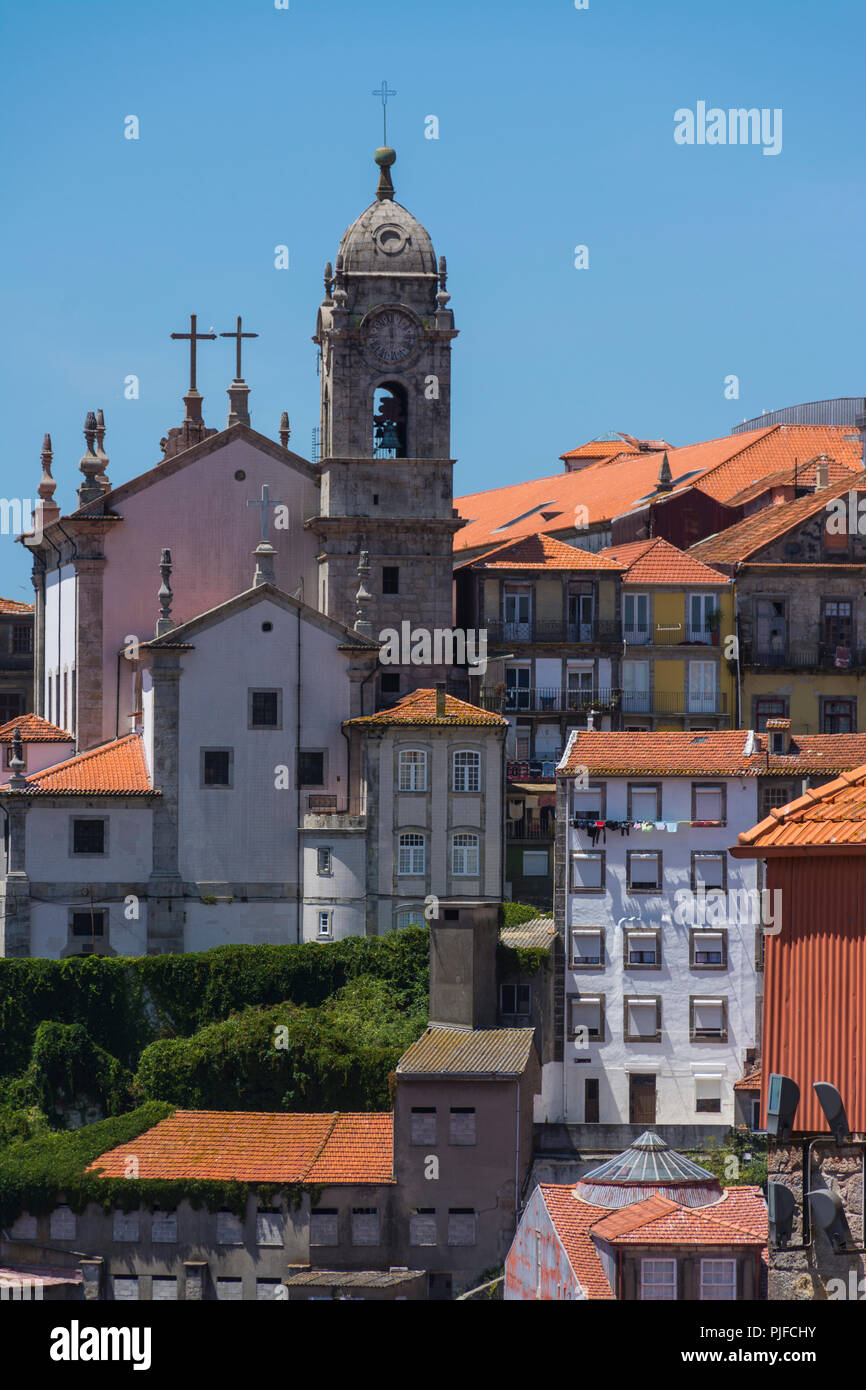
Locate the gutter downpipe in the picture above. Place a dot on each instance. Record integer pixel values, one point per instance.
(737, 636)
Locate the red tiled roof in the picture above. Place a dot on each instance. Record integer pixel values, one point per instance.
(114, 769)
(420, 708)
(572, 1221)
(34, 729)
(750, 536)
(11, 606)
(540, 552)
(600, 449)
(752, 1082)
(775, 450)
(739, 1219)
(656, 561)
(806, 476)
(829, 818)
(250, 1147)
(720, 753)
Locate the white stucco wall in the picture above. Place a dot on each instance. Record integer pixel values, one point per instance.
(60, 604)
(49, 927)
(49, 858)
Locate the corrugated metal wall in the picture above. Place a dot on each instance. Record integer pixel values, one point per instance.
(815, 984)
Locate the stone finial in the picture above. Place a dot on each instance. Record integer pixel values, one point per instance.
(665, 479)
(165, 622)
(49, 509)
(329, 282)
(16, 762)
(443, 296)
(102, 477)
(239, 403)
(441, 706)
(90, 465)
(385, 158)
(264, 553)
(363, 626)
(285, 430)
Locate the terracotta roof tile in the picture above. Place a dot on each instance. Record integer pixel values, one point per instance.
(828, 817)
(738, 1221)
(11, 606)
(420, 708)
(114, 769)
(750, 536)
(541, 552)
(602, 449)
(720, 753)
(751, 1082)
(656, 561)
(572, 1220)
(34, 729)
(776, 450)
(249, 1147)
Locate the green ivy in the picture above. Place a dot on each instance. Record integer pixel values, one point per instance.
(515, 914)
(521, 960)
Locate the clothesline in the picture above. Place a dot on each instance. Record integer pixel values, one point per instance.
(597, 828)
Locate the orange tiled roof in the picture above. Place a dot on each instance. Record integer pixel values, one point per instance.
(750, 536)
(248, 1147)
(114, 769)
(540, 552)
(572, 1221)
(740, 1218)
(721, 753)
(806, 477)
(34, 729)
(775, 450)
(752, 1082)
(11, 606)
(828, 818)
(656, 561)
(419, 707)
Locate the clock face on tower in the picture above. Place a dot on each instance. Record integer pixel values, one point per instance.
(391, 336)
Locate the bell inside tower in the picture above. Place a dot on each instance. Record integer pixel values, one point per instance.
(390, 409)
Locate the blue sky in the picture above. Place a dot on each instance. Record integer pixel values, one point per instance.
(257, 128)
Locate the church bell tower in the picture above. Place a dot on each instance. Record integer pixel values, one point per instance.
(385, 331)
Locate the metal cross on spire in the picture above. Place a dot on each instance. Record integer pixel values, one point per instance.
(384, 92)
(265, 502)
(193, 339)
(238, 335)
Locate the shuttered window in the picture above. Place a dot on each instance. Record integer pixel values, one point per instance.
(365, 1226)
(271, 1291)
(125, 1288)
(230, 1229)
(163, 1290)
(422, 1226)
(422, 1125)
(230, 1290)
(62, 1224)
(126, 1225)
(324, 1226)
(642, 1018)
(163, 1227)
(269, 1228)
(461, 1226)
(462, 1125)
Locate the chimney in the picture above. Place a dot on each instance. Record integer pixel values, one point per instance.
(822, 472)
(463, 940)
(440, 699)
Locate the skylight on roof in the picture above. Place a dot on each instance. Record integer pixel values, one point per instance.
(697, 740)
(540, 508)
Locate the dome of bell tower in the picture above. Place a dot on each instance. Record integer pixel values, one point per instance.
(386, 239)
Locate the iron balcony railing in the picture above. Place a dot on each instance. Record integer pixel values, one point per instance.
(506, 630)
(823, 655)
(682, 635)
(534, 830)
(542, 699)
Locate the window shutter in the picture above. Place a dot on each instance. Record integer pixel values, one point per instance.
(125, 1289)
(62, 1224)
(230, 1229)
(163, 1227)
(164, 1290)
(269, 1228)
(462, 1127)
(324, 1228)
(126, 1225)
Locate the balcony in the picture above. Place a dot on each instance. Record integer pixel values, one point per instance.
(534, 769)
(684, 635)
(523, 830)
(536, 699)
(673, 702)
(502, 630)
(799, 655)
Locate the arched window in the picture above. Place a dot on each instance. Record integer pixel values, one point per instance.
(390, 415)
(413, 770)
(464, 855)
(467, 771)
(412, 856)
(409, 917)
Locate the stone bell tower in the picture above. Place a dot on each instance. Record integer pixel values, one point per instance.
(384, 331)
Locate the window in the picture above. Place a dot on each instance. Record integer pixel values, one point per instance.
(587, 947)
(163, 1227)
(709, 948)
(467, 772)
(323, 924)
(838, 716)
(83, 924)
(265, 709)
(22, 638)
(642, 948)
(518, 694)
(636, 619)
(643, 1018)
(658, 1279)
(709, 801)
(422, 1124)
(390, 579)
(323, 861)
(422, 1226)
(589, 803)
(412, 774)
(708, 1095)
(635, 685)
(311, 767)
(230, 1290)
(410, 917)
(586, 1017)
(719, 1279)
(324, 1224)
(515, 1000)
(769, 709)
(62, 1224)
(775, 796)
(837, 622)
(517, 613)
(89, 835)
(709, 871)
(163, 1289)
(269, 1226)
(390, 682)
(587, 872)
(644, 801)
(708, 1020)
(230, 1229)
(535, 863)
(216, 767)
(125, 1225)
(461, 1226)
(125, 1288)
(11, 705)
(461, 1129)
(699, 610)
(464, 855)
(365, 1226)
(702, 687)
(411, 860)
(644, 871)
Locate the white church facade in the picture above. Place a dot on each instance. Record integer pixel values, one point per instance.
(244, 766)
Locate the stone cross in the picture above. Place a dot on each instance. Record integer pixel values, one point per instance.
(264, 503)
(193, 339)
(384, 92)
(238, 335)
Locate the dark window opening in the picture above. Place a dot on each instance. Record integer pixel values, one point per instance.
(311, 769)
(390, 411)
(83, 926)
(217, 767)
(88, 837)
(265, 709)
(390, 579)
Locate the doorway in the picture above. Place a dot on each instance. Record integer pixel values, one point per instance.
(641, 1099)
